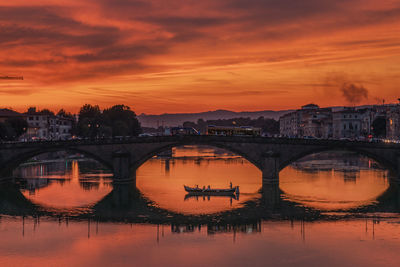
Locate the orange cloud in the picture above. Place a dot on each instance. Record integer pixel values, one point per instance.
(185, 56)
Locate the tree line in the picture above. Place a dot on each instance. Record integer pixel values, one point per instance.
(12, 128)
(118, 120)
(268, 126)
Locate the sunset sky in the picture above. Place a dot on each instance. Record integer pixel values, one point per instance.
(162, 56)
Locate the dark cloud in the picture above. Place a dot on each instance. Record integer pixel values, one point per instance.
(121, 52)
(354, 94)
(179, 22)
(16, 92)
(21, 35)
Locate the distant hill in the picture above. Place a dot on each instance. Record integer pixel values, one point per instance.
(175, 119)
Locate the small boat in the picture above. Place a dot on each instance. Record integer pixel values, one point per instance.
(210, 191)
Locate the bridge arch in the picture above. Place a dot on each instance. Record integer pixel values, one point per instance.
(166, 147)
(15, 161)
(383, 161)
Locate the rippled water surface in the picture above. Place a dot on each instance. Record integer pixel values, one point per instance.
(330, 209)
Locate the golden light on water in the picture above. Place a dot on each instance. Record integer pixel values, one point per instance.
(161, 181)
(333, 190)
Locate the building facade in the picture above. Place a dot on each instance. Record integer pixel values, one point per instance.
(341, 122)
(347, 123)
(44, 125)
(393, 123)
(309, 121)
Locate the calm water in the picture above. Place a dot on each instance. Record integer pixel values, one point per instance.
(330, 209)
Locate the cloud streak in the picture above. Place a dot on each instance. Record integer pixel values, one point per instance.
(162, 47)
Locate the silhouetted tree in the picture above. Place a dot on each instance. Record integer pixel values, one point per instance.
(122, 120)
(19, 125)
(63, 113)
(12, 128)
(90, 120)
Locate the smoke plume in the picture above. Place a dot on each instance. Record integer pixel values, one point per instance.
(354, 94)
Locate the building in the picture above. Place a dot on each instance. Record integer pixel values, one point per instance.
(289, 124)
(393, 123)
(310, 120)
(63, 127)
(44, 125)
(347, 123)
(229, 131)
(317, 123)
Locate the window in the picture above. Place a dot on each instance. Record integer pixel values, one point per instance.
(344, 126)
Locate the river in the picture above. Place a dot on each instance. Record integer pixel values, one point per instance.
(330, 209)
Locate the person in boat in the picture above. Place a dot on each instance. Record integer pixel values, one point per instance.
(204, 187)
(208, 187)
(230, 184)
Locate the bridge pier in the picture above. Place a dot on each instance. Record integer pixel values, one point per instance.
(398, 168)
(270, 169)
(121, 168)
(271, 196)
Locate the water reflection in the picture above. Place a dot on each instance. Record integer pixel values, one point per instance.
(334, 181)
(64, 183)
(325, 181)
(161, 180)
(356, 242)
(283, 225)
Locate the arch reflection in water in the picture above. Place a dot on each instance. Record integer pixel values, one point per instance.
(334, 181)
(61, 180)
(161, 179)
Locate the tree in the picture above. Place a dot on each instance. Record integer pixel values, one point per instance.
(6, 132)
(63, 113)
(90, 120)
(122, 121)
(19, 125)
(12, 128)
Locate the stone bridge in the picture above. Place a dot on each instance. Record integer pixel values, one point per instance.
(124, 157)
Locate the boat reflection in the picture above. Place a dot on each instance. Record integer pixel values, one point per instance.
(198, 197)
(218, 228)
